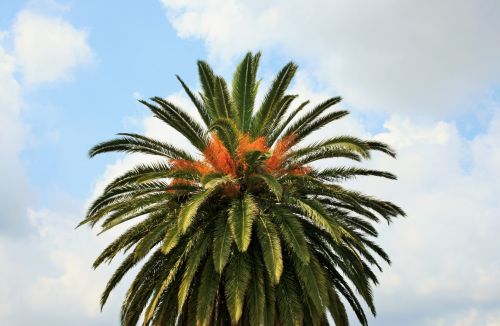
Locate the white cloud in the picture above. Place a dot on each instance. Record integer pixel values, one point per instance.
(424, 58)
(49, 279)
(470, 318)
(15, 190)
(43, 278)
(65, 249)
(48, 48)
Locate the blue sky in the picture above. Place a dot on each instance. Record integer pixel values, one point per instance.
(423, 77)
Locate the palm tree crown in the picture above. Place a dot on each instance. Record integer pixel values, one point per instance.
(246, 231)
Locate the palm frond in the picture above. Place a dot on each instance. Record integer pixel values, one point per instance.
(271, 248)
(221, 243)
(244, 90)
(133, 143)
(237, 278)
(202, 111)
(180, 121)
(241, 216)
(311, 115)
(269, 106)
(207, 79)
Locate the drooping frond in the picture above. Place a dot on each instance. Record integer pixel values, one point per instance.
(270, 244)
(241, 217)
(237, 280)
(221, 243)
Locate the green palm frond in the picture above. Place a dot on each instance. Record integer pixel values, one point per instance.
(133, 143)
(207, 294)
(207, 79)
(202, 111)
(223, 105)
(241, 216)
(256, 299)
(311, 115)
(237, 279)
(270, 244)
(270, 105)
(179, 120)
(274, 134)
(244, 89)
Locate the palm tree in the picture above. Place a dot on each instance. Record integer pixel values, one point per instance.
(246, 231)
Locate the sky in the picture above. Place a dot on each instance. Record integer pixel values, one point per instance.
(423, 76)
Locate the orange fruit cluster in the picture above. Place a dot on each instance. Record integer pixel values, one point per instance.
(217, 158)
(274, 164)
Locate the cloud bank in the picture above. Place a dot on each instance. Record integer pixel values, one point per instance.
(419, 58)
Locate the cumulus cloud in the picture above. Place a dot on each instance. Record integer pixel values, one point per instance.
(48, 48)
(423, 57)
